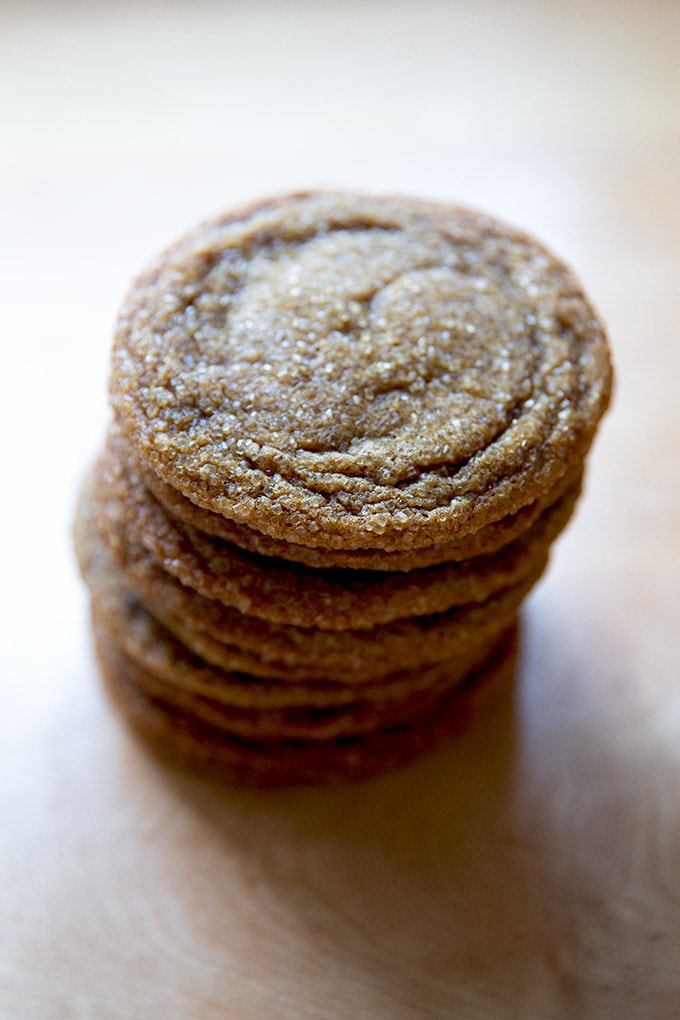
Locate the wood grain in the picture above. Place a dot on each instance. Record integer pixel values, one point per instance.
(531, 867)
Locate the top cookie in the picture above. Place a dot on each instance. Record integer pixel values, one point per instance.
(353, 372)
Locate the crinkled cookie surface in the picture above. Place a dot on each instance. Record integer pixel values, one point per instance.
(354, 372)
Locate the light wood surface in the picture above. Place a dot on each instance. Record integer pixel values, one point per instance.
(530, 868)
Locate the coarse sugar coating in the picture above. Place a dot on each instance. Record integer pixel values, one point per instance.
(146, 610)
(286, 592)
(144, 641)
(350, 372)
(486, 540)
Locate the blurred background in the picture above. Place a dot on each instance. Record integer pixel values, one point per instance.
(121, 126)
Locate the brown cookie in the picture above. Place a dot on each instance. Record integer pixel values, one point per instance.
(349, 372)
(382, 658)
(291, 593)
(182, 738)
(487, 540)
(319, 718)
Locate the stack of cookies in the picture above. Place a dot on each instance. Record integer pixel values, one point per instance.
(346, 431)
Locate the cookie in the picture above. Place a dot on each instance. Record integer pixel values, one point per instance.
(290, 593)
(319, 718)
(485, 541)
(351, 372)
(182, 738)
(376, 657)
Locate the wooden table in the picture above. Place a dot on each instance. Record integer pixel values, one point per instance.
(530, 868)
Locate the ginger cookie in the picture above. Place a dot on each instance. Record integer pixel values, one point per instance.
(183, 739)
(488, 539)
(291, 593)
(226, 638)
(350, 372)
(319, 718)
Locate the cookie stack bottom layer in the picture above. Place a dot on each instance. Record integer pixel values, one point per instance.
(181, 736)
(267, 671)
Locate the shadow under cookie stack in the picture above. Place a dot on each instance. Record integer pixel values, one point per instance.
(346, 432)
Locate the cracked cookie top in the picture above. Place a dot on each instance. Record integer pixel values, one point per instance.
(354, 372)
